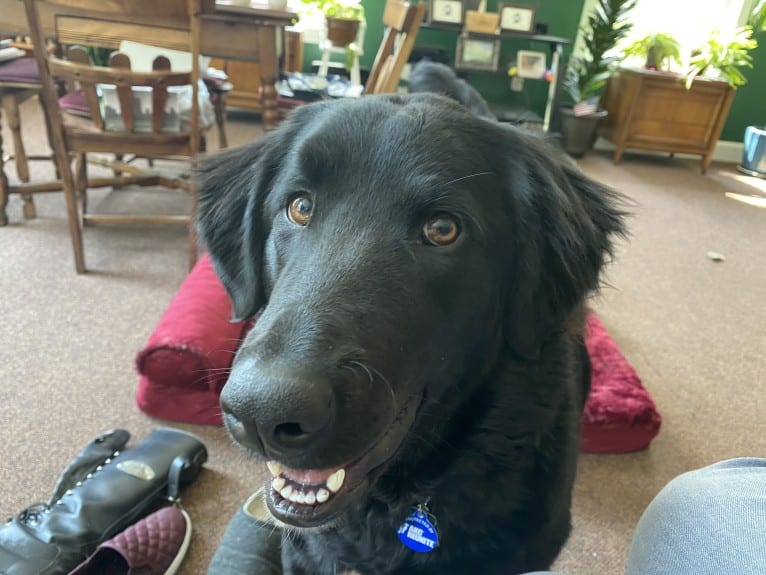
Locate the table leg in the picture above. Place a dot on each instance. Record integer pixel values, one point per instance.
(269, 65)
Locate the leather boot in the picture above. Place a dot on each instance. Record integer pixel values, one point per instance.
(102, 492)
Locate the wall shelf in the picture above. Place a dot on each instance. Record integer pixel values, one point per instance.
(551, 121)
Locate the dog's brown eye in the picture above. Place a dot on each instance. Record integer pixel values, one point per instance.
(299, 209)
(441, 230)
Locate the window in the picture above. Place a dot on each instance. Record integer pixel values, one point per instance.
(688, 21)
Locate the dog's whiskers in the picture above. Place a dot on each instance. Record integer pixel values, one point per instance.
(362, 366)
(467, 177)
(369, 370)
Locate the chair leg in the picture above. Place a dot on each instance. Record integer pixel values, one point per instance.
(3, 180)
(193, 246)
(81, 183)
(11, 107)
(50, 139)
(75, 226)
(70, 198)
(220, 120)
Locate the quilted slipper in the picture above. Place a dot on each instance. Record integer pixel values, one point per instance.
(251, 544)
(156, 545)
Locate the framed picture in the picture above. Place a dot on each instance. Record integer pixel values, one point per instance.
(517, 17)
(477, 53)
(530, 64)
(445, 12)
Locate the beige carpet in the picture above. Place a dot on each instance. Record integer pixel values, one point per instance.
(694, 329)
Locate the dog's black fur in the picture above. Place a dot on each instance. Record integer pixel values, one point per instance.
(466, 361)
(438, 78)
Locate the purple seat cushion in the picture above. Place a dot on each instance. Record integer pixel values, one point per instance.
(74, 102)
(21, 70)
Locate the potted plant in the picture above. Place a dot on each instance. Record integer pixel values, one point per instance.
(342, 17)
(723, 57)
(588, 71)
(657, 50)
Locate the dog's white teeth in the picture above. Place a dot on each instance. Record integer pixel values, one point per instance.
(305, 494)
(296, 497)
(278, 483)
(322, 495)
(274, 467)
(335, 481)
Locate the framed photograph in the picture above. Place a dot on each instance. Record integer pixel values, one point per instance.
(530, 64)
(517, 17)
(477, 53)
(445, 12)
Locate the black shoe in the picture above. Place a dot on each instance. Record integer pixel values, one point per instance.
(102, 492)
(252, 542)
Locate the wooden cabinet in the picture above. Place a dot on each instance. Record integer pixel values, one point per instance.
(651, 110)
(246, 78)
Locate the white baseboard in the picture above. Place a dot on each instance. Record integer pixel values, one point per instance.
(725, 151)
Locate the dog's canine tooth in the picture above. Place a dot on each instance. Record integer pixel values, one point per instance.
(274, 467)
(335, 481)
(322, 495)
(278, 483)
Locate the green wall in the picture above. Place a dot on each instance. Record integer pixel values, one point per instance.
(563, 18)
(749, 106)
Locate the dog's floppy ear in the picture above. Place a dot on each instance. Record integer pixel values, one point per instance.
(565, 224)
(229, 194)
(232, 186)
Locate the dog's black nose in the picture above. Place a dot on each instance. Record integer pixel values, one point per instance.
(280, 416)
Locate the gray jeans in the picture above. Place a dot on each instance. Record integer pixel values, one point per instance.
(711, 521)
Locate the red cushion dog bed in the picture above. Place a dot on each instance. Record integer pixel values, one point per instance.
(186, 362)
(619, 415)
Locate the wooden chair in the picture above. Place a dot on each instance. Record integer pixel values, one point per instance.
(19, 81)
(402, 22)
(106, 23)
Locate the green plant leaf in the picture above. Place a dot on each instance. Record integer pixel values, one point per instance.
(587, 73)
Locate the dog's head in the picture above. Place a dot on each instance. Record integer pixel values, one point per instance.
(393, 246)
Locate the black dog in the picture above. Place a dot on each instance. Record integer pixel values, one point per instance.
(438, 78)
(420, 275)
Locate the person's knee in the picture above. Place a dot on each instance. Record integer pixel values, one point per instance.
(703, 521)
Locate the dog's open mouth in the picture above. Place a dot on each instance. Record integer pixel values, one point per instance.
(312, 497)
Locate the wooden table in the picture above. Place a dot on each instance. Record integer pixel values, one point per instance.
(650, 110)
(251, 33)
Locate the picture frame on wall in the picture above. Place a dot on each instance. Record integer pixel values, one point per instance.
(445, 12)
(472, 53)
(516, 17)
(531, 64)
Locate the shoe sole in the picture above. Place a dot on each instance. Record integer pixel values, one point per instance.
(173, 567)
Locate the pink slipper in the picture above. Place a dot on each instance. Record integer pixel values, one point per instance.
(156, 545)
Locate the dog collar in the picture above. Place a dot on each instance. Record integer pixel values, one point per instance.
(418, 532)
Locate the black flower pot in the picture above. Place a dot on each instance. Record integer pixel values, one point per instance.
(579, 132)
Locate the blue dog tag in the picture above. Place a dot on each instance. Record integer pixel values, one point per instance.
(418, 533)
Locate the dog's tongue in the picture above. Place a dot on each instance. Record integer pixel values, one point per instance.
(308, 476)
